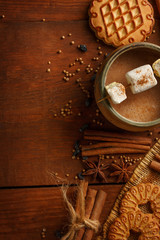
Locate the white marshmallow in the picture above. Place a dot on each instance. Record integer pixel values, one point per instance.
(156, 67)
(116, 91)
(141, 79)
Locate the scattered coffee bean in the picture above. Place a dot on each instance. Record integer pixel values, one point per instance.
(88, 102)
(76, 145)
(83, 48)
(93, 77)
(76, 148)
(84, 127)
(58, 234)
(80, 176)
(84, 158)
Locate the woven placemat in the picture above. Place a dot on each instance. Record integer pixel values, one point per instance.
(142, 173)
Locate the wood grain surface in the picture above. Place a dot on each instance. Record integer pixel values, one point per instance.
(25, 212)
(33, 143)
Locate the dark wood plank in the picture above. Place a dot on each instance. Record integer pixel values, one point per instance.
(50, 10)
(25, 212)
(33, 142)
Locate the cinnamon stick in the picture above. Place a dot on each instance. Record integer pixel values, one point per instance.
(115, 144)
(90, 200)
(116, 137)
(116, 150)
(157, 156)
(83, 185)
(155, 166)
(97, 209)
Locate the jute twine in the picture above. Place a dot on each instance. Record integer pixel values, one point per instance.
(78, 220)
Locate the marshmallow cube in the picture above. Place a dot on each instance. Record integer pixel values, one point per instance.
(156, 67)
(116, 91)
(141, 79)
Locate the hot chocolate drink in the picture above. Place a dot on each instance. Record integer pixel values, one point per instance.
(141, 107)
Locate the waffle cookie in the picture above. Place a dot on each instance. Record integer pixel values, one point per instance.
(139, 195)
(120, 22)
(139, 222)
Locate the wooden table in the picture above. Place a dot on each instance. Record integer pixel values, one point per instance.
(35, 143)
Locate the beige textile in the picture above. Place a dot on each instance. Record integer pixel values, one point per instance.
(142, 173)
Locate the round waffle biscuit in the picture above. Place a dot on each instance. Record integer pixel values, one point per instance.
(120, 22)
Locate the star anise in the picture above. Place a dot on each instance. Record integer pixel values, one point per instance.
(96, 169)
(123, 171)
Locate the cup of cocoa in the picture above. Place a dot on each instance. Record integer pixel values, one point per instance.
(127, 91)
